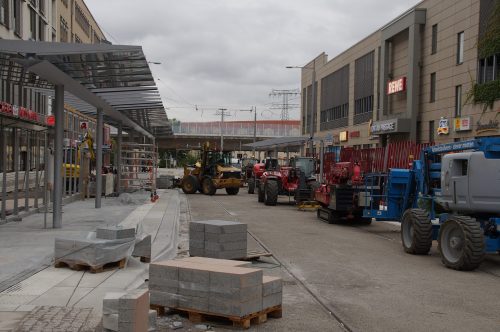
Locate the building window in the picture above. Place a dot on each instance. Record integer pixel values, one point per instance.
(82, 21)
(363, 105)
(41, 29)
(460, 48)
(17, 17)
(488, 69)
(77, 39)
(64, 30)
(4, 12)
(434, 39)
(32, 24)
(433, 88)
(458, 101)
(431, 131)
(65, 3)
(41, 4)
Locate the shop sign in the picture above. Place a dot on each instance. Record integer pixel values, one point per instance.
(378, 128)
(355, 134)
(493, 125)
(328, 139)
(443, 127)
(396, 86)
(462, 124)
(20, 112)
(343, 136)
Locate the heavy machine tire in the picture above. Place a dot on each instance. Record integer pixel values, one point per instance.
(461, 243)
(251, 186)
(232, 191)
(261, 195)
(416, 232)
(271, 193)
(207, 186)
(189, 184)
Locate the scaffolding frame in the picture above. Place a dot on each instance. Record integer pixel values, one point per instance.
(138, 166)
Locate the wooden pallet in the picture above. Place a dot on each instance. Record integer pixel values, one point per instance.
(308, 205)
(196, 316)
(254, 255)
(93, 269)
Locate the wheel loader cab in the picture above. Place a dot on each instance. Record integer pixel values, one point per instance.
(272, 164)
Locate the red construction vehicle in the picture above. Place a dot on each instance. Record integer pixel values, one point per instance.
(343, 196)
(253, 181)
(296, 180)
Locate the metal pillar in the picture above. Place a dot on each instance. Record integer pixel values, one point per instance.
(321, 160)
(119, 159)
(15, 142)
(37, 168)
(58, 110)
(4, 173)
(313, 110)
(98, 158)
(27, 172)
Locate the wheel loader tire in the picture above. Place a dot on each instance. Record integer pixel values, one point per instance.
(232, 191)
(271, 193)
(207, 186)
(461, 243)
(251, 186)
(416, 232)
(261, 195)
(189, 184)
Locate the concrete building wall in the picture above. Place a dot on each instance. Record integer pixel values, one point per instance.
(77, 15)
(40, 12)
(451, 17)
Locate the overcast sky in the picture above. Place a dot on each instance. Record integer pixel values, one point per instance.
(232, 53)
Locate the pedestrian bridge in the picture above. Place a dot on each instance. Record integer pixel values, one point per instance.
(188, 135)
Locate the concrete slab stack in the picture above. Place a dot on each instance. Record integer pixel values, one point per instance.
(127, 312)
(218, 239)
(114, 233)
(272, 292)
(204, 285)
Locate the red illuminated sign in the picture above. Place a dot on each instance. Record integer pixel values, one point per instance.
(51, 120)
(20, 112)
(355, 134)
(396, 86)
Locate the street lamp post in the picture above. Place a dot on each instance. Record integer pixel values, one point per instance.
(313, 106)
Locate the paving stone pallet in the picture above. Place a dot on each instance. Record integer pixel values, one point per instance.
(196, 316)
(79, 266)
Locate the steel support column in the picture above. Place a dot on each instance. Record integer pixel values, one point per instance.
(4, 173)
(321, 160)
(58, 110)
(119, 159)
(98, 158)
(15, 142)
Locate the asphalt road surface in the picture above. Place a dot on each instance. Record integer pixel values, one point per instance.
(357, 278)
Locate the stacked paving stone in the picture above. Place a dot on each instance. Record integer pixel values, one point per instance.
(223, 287)
(214, 286)
(218, 239)
(114, 233)
(111, 244)
(142, 248)
(127, 312)
(272, 291)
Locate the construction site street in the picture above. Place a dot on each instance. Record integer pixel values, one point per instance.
(356, 277)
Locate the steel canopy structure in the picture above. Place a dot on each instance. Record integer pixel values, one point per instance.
(111, 83)
(279, 143)
(114, 78)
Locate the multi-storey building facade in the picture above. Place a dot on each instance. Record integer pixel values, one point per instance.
(410, 80)
(26, 112)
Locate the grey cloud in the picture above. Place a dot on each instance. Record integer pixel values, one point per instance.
(233, 52)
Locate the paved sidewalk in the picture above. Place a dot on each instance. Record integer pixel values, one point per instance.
(63, 287)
